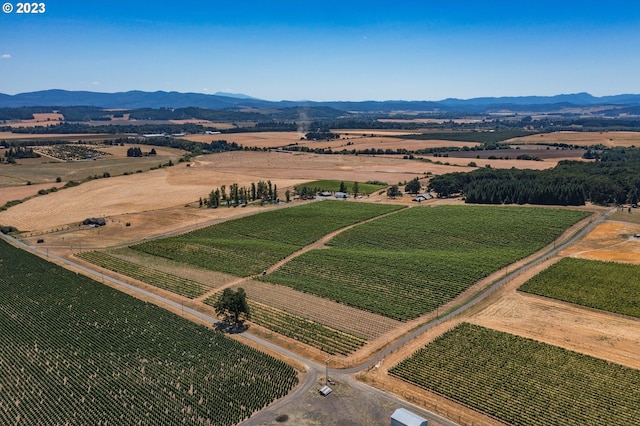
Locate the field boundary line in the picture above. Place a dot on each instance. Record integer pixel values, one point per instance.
(321, 242)
(318, 244)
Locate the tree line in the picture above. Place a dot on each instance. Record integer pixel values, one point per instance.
(12, 154)
(70, 128)
(236, 195)
(195, 148)
(137, 152)
(614, 178)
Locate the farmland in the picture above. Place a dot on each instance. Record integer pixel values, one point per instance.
(248, 245)
(182, 286)
(612, 287)
(365, 325)
(423, 255)
(76, 351)
(524, 382)
(608, 139)
(410, 259)
(313, 333)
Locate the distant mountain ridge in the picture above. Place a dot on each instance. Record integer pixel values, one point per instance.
(220, 100)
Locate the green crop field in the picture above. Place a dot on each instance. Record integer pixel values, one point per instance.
(406, 264)
(305, 330)
(524, 382)
(609, 286)
(248, 245)
(170, 282)
(334, 186)
(73, 351)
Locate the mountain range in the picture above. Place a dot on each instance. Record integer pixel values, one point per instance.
(139, 99)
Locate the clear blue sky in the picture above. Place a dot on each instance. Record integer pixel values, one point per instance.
(326, 50)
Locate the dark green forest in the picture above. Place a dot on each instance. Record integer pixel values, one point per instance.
(613, 178)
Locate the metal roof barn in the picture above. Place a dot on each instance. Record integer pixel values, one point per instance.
(402, 417)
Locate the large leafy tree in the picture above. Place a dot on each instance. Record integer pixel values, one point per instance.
(232, 307)
(413, 186)
(393, 191)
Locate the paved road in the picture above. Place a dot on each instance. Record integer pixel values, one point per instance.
(315, 369)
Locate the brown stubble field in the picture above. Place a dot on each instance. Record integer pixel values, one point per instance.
(174, 187)
(43, 172)
(609, 139)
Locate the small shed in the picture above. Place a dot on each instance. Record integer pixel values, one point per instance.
(325, 390)
(402, 417)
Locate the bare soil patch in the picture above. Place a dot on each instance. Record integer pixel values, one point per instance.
(610, 241)
(350, 404)
(599, 334)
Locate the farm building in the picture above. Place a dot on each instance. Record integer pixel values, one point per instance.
(325, 390)
(341, 195)
(423, 197)
(325, 194)
(93, 221)
(402, 417)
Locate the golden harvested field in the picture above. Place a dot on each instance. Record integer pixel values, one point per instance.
(39, 119)
(179, 185)
(348, 133)
(430, 120)
(609, 139)
(359, 142)
(52, 136)
(258, 139)
(116, 196)
(22, 191)
(45, 170)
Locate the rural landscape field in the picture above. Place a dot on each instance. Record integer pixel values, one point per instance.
(365, 286)
(319, 213)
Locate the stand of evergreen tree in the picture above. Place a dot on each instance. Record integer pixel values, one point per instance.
(614, 178)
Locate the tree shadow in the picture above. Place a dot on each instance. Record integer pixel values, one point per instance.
(224, 327)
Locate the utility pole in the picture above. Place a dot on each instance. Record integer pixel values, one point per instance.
(326, 374)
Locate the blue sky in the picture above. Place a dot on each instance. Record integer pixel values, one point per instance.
(325, 50)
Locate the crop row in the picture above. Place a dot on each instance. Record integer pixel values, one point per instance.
(77, 352)
(173, 283)
(524, 382)
(609, 286)
(463, 228)
(248, 245)
(409, 263)
(360, 323)
(304, 330)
